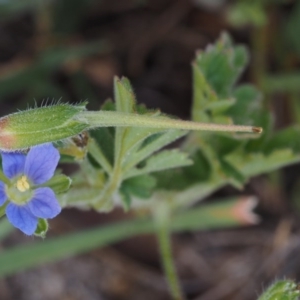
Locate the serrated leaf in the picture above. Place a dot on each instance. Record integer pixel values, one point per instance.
(140, 187)
(252, 164)
(133, 139)
(281, 290)
(124, 96)
(245, 13)
(221, 65)
(248, 104)
(203, 95)
(129, 140)
(221, 106)
(152, 144)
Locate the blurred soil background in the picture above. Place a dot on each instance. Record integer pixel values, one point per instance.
(71, 50)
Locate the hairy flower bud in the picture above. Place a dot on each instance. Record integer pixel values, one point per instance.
(41, 125)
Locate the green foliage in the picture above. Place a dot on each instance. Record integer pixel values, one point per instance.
(230, 158)
(281, 290)
(139, 186)
(37, 126)
(124, 157)
(129, 165)
(244, 13)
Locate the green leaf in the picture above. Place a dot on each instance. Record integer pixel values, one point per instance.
(221, 106)
(129, 137)
(281, 290)
(254, 164)
(140, 186)
(221, 65)
(248, 104)
(232, 158)
(124, 96)
(244, 13)
(203, 95)
(152, 144)
(166, 159)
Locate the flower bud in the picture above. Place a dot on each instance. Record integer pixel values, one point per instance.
(31, 127)
(42, 228)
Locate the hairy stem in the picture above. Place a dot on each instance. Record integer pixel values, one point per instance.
(120, 119)
(165, 246)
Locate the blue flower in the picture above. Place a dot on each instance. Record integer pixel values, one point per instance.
(27, 202)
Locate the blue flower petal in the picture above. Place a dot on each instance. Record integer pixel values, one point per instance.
(13, 164)
(41, 162)
(44, 203)
(22, 218)
(3, 196)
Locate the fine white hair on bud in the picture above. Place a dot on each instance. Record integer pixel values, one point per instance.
(35, 126)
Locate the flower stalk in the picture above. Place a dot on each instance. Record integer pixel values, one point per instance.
(36, 126)
(162, 217)
(121, 119)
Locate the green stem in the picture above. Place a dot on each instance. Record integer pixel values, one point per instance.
(110, 188)
(121, 119)
(168, 263)
(115, 178)
(165, 246)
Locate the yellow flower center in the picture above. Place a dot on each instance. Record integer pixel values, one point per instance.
(22, 184)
